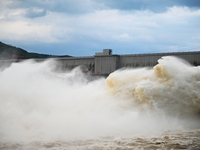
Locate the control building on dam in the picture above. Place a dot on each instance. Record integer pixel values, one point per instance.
(104, 63)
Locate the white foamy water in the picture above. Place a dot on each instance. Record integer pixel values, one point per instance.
(39, 103)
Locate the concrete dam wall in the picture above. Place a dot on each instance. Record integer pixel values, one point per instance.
(104, 63)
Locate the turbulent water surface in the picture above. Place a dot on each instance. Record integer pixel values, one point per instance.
(42, 107)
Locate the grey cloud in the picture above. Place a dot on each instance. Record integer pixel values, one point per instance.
(34, 13)
(190, 3)
(64, 6)
(85, 6)
(155, 6)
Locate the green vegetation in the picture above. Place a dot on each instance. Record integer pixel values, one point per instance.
(12, 52)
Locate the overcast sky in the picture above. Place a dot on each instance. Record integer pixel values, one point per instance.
(83, 27)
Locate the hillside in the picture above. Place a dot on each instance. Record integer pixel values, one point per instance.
(12, 52)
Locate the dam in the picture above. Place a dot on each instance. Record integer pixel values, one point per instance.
(104, 63)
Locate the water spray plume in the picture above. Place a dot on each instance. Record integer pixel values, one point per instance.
(38, 103)
(172, 87)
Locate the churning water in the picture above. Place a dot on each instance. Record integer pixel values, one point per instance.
(144, 108)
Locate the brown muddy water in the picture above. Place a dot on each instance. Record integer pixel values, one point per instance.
(167, 141)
